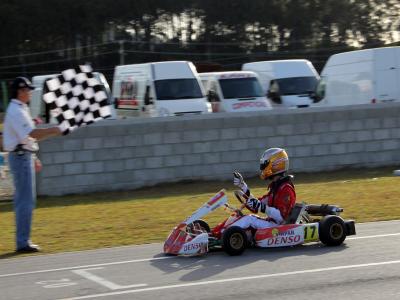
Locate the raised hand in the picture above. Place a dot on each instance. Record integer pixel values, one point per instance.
(238, 181)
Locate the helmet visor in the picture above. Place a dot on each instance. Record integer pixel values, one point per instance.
(264, 164)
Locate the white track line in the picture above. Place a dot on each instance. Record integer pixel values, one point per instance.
(153, 258)
(372, 236)
(104, 282)
(174, 286)
(87, 266)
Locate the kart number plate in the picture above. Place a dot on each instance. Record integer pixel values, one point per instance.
(310, 232)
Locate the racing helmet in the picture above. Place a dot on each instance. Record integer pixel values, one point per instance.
(273, 161)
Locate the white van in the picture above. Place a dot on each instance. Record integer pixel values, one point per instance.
(360, 77)
(234, 91)
(37, 105)
(158, 89)
(287, 83)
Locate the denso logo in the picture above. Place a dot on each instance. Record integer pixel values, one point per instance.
(282, 240)
(194, 246)
(248, 104)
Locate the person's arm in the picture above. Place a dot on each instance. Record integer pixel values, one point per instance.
(44, 133)
(25, 129)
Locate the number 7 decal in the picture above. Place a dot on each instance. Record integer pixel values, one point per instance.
(310, 233)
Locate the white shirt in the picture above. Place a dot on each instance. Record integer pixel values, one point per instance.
(17, 126)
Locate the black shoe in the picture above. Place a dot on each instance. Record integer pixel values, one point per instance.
(29, 249)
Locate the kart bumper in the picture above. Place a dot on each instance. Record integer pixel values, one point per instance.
(180, 242)
(350, 227)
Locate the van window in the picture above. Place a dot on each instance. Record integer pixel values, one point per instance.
(296, 85)
(106, 88)
(173, 89)
(241, 88)
(320, 90)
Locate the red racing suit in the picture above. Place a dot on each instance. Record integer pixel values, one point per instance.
(281, 195)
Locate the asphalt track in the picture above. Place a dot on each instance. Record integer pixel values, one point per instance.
(366, 266)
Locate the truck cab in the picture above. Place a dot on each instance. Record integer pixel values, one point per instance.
(160, 89)
(360, 77)
(286, 83)
(236, 91)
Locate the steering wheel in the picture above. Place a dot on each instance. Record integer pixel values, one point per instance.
(242, 198)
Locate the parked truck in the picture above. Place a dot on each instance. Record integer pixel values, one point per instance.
(168, 88)
(235, 91)
(360, 77)
(287, 83)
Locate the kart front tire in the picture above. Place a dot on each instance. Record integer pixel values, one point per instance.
(332, 230)
(234, 240)
(203, 224)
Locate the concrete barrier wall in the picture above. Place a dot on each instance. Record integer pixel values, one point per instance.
(128, 154)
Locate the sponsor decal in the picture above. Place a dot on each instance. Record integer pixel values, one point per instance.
(284, 240)
(131, 102)
(216, 198)
(194, 246)
(128, 95)
(248, 105)
(275, 232)
(285, 235)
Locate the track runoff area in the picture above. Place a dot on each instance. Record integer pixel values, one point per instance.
(366, 265)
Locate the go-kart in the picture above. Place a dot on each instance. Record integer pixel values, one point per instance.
(306, 223)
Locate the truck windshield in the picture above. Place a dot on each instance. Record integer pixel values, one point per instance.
(175, 89)
(296, 85)
(102, 79)
(241, 88)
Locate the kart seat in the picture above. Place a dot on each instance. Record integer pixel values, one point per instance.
(295, 215)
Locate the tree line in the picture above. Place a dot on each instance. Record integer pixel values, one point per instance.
(47, 36)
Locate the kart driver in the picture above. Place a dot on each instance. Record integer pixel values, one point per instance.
(281, 197)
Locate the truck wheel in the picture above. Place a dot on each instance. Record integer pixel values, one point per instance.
(234, 240)
(332, 230)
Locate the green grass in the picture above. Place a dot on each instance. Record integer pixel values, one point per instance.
(79, 222)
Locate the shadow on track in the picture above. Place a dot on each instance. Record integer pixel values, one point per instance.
(203, 267)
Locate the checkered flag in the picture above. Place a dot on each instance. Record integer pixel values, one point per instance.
(76, 98)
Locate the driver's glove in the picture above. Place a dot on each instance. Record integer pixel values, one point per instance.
(253, 204)
(239, 182)
(256, 205)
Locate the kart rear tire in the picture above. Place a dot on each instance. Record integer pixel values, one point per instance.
(234, 240)
(332, 230)
(202, 224)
